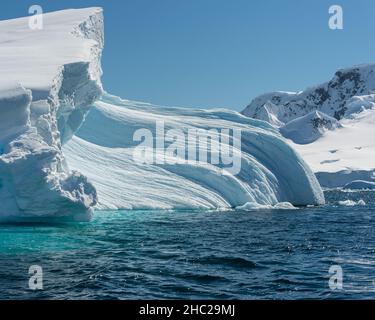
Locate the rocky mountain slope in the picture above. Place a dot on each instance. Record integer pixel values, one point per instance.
(332, 125)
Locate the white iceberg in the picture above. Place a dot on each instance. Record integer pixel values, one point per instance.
(53, 79)
(271, 171)
(50, 77)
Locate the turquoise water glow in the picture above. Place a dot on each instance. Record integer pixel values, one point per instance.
(280, 254)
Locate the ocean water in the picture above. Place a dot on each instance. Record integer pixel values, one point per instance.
(264, 254)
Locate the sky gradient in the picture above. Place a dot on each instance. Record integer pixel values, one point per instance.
(221, 53)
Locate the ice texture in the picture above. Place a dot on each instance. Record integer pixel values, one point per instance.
(271, 171)
(51, 167)
(50, 78)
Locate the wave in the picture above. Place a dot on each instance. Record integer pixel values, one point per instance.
(351, 203)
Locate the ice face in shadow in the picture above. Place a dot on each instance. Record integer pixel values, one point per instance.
(271, 171)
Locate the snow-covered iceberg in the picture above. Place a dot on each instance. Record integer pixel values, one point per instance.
(52, 85)
(50, 77)
(271, 171)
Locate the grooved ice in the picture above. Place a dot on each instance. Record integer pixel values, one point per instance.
(51, 79)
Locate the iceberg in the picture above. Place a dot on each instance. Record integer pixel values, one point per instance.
(271, 171)
(66, 147)
(50, 79)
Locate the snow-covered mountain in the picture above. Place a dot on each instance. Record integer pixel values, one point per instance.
(331, 125)
(51, 80)
(346, 154)
(333, 98)
(309, 128)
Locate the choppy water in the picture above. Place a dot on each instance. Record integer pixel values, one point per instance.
(277, 254)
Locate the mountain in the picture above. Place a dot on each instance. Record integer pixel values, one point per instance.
(333, 98)
(346, 154)
(309, 128)
(330, 125)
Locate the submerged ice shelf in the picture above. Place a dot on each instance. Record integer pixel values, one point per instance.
(53, 79)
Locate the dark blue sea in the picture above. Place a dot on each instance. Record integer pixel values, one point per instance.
(267, 254)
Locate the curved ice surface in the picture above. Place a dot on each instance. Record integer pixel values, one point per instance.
(52, 77)
(271, 171)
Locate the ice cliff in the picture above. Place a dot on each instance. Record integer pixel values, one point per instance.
(51, 86)
(50, 77)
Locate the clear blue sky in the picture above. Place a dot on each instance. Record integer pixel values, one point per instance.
(221, 53)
